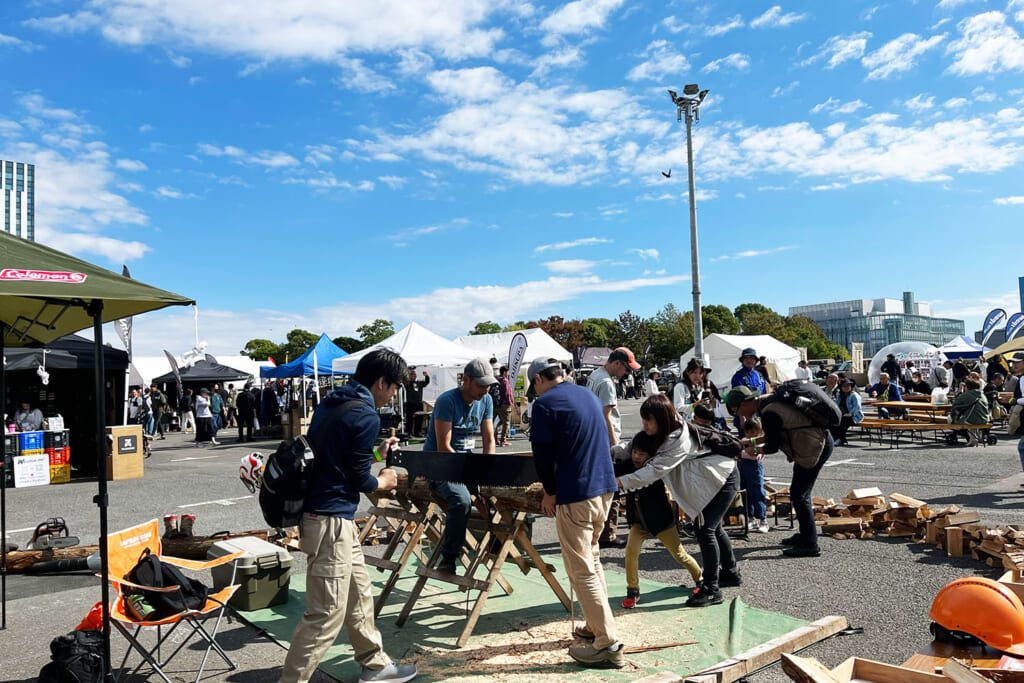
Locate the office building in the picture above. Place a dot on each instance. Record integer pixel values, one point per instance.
(18, 181)
(880, 322)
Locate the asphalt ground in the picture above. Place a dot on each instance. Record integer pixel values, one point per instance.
(883, 585)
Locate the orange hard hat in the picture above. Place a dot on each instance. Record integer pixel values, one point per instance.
(984, 609)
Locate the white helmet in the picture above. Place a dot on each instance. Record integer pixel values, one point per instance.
(251, 471)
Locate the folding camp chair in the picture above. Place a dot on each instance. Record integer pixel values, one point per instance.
(124, 549)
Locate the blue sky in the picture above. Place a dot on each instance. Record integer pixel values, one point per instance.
(321, 164)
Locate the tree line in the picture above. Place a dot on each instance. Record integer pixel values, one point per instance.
(669, 331)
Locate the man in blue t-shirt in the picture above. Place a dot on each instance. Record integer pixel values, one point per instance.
(571, 449)
(458, 414)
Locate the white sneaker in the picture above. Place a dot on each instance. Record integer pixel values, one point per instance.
(759, 525)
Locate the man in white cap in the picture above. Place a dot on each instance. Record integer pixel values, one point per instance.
(458, 414)
(569, 438)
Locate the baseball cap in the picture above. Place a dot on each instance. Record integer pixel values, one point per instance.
(480, 370)
(747, 352)
(1017, 357)
(625, 355)
(738, 395)
(539, 365)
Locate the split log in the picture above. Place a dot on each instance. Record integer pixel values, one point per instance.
(19, 561)
(522, 499)
(196, 547)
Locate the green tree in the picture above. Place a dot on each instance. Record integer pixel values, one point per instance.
(515, 327)
(634, 332)
(568, 333)
(348, 344)
(770, 323)
(377, 331)
(298, 342)
(743, 310)
(261, 349)
(672, 333)
(802, 331)
(599, 331)
(719, 319)
(486, 328)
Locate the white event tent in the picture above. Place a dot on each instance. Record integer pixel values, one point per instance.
(442, 359)
(722, 355)
(538, 343)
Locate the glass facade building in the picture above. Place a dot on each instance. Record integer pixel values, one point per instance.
(18, 181)
(879, 322)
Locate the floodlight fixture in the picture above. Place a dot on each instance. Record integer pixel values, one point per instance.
(691, 89)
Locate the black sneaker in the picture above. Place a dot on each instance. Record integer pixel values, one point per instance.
(446, 565)
(802, 551)
(791, 540)
(730, 578)
(612, 543)
(704, 596)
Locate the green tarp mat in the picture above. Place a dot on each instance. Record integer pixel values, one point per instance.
(524, 636)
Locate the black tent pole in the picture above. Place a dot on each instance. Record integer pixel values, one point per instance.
(96, 311)
(3, 485)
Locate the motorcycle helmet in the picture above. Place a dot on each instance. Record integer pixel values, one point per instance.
(982, 608)
(251, 471)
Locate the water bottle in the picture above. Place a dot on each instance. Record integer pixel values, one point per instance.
(511, 431)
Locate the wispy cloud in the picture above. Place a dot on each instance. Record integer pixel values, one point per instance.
(899, 55)
(18, 43)
(583, 242)
(645, 253)
(987, 44)
(737, 61)
(267, 158)
(662, 61)
(834, 106)
(775, 18)
(573, 266)
(729, 24)
(839, 49)
(130, 165)
(564, 214)
(751, 253)
(1007, 201)
(168, 192)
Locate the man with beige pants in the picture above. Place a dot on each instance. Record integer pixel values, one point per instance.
(338, 590)
(572, 453)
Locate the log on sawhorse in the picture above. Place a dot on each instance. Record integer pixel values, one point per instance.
(500, 524)
(766, 653)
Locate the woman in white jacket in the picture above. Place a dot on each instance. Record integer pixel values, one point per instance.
(703, 484)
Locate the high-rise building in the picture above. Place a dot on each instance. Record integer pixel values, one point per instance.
(880, 322)
(18, 181)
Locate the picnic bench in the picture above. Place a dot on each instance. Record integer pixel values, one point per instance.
(894, 429)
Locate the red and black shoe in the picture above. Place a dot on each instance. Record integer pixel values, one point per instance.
(632, 597)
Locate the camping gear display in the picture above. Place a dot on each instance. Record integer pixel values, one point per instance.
(479, 469)
(150, 571)
(262, 573)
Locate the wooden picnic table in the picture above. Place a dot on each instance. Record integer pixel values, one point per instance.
(936, 412)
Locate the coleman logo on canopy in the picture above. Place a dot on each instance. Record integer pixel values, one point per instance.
(41, 275)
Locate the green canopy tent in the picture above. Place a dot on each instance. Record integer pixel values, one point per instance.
(44, 295)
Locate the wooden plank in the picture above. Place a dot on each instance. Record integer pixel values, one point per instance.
(954, 542)
(873, 492)
(737, 667)
(907, 500)
(661, 677)
(960, 673)
(963, 518)
(806, 670)
(870, 671)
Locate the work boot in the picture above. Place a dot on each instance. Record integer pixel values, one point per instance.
(730, 578)
(611, 657)
(392, 673)
(791, 540)
(615, 542)
(705, 596)
(170, 525)
(187, 524)
(583, 632)
(802, 551)
(447, 564)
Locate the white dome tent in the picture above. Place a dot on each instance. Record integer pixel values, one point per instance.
(722, 355)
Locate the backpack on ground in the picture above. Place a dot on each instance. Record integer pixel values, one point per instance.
(809, 399)
(150, 571)
(286, 477)
(75, 658)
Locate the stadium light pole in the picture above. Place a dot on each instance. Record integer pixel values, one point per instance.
(688, 105)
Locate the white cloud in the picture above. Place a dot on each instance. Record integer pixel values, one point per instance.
(662, 61)
(898, 55)
(674, 25)
(781, 91)
(954, 102)
(392, 181)
(322, 181)
(564, 214)
(268, 158)
(573, 266)
(302, 29)
(987, 45)
(116, 251)
(180, 61)
(774, 17)
(145, 128)
(480, 83)
(1007, 201)
(36, 105)
(168, 192)
(919, 103)
(130, 187)
(131, 165)
(834, 106)
(579, 16)
(839, 49)
(729, 24)
(12, 41)
(950, 4)
(645, 253)
(356, 75)
(319, 154)
(751, 253)
(830, 186)
(737, 61)
(583, 242)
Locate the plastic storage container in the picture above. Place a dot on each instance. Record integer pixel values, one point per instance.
(30, 442)
(263, 573)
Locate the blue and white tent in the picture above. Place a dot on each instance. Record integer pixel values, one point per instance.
(963, 347)
(315, 361)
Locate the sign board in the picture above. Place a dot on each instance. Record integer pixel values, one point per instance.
(31, 470)
(127, 443)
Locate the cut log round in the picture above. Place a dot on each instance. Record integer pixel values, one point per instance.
(19, 561)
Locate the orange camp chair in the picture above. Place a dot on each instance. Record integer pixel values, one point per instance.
(124, 549)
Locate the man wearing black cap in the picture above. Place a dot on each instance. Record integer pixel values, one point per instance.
(892, 366)
(458, 414)
(570, 446)
(806, 445)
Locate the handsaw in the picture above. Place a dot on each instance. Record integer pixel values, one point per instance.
(515, 470)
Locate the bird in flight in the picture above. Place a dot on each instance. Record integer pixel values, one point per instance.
(667, 175)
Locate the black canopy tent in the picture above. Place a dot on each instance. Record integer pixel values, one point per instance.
(44, 295)
(203, 371)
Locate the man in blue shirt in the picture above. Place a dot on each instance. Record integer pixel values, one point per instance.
(338, 588)
(886, 390)
(571, 449)
(458, 414)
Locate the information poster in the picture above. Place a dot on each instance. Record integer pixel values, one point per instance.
(31, 470)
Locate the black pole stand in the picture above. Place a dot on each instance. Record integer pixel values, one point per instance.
(3, 488)
(95, 309)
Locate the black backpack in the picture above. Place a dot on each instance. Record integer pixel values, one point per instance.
(150, 571)
(495, 391)
(76, 658)
(286, 477)
(809, 399)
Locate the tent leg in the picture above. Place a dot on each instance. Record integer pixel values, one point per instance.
(95, 309)
(3, 488)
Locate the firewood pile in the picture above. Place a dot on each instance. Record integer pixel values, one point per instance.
(863, 513)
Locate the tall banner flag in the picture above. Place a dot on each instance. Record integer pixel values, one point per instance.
(124, 325)
(1014, 325)
(516, 351)
(177, 374)
(647, 350)
(993, 320)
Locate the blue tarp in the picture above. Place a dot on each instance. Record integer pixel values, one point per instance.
(326, 351)
(963, 347)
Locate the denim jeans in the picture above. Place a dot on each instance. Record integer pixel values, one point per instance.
(800, 494)
(715, 548)
(459, 506)
(1020, 452)
(752, 479)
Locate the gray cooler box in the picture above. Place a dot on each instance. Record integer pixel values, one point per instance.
(262, 573)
